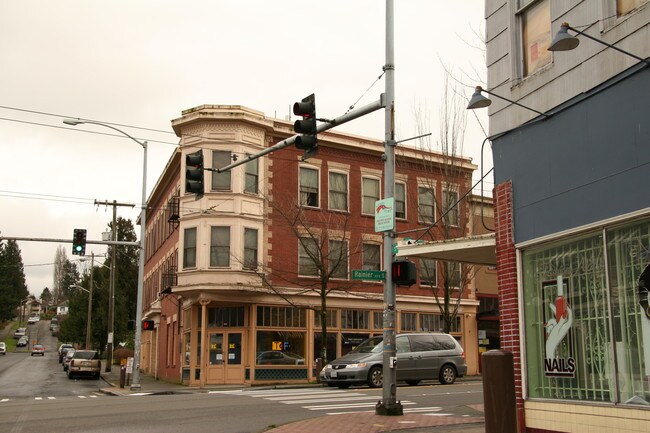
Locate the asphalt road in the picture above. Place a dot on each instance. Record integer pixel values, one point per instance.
(23, 376)
(36, 396)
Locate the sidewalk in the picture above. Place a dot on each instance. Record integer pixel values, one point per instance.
(359, 422)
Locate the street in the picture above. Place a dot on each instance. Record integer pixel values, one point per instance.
(37, 396)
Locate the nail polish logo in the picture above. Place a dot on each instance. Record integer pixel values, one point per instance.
(558, 361)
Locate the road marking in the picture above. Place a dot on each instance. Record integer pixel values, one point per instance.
(93, 396)
(139, 394)
(51, 398)
(4, 400)
(38, 398)
(366, 397)
(81, 396)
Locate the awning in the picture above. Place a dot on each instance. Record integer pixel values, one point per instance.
(477, 250)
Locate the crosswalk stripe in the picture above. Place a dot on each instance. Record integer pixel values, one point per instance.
(81, 396)
(51, 398)
(38, 398)
(4, 400)
(334, 402)
(325, 400)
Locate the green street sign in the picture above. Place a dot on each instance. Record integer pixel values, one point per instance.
(358, 274)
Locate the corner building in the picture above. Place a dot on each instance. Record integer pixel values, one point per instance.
(228, 277)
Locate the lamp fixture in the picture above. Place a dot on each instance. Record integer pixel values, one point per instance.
(479, 101)
(563, 41)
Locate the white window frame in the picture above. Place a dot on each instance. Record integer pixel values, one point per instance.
(300, 199)
(347, 190)
(216, 246)
(223, 174)
(364, 196)
(245, 248)
(305, 256)
(433, 204)
(345, 260)
(403, 184)
(185, 248)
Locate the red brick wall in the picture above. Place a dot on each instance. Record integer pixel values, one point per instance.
(507, 282)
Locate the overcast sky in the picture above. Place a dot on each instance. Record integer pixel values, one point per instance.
(140, 63)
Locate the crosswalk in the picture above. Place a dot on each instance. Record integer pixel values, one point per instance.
(331, 402)
(48, 398)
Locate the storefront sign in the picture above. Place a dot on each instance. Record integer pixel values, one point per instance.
(559, 360)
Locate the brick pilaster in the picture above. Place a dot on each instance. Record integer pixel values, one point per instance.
(507, 283)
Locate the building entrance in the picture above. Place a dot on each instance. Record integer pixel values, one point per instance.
(225, 364)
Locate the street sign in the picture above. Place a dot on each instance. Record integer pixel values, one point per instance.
(384, 215)
(359, 274)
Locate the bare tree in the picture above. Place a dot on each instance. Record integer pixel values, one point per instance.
(443, 160)
(60, 260)
(325, 247)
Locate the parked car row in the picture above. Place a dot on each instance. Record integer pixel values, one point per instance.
(79, 362)
(3, 348)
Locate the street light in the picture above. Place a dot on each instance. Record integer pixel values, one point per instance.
(563, 41)
(135, 384)
(480, 101)
(90, 309)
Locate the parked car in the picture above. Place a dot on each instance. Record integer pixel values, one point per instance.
(85, 363)
(55, 330)
(22, 342)
(20, 332)
(419, 357)
(3, 348)
(38, 349)
(63, 349)
(275, 357)
(54, 322)
(69, 353)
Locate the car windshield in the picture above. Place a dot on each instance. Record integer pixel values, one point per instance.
(371, 345)
(85, 355)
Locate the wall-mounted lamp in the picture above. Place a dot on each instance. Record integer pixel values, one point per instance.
(563, 41)
(479, 101)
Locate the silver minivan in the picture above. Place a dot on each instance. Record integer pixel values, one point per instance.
(419, 357)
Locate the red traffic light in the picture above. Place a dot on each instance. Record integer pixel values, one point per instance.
(148, 325)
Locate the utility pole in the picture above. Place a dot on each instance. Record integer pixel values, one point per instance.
(90, 301)
(389, 404)
(111, 290)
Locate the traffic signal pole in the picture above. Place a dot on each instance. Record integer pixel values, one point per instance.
(328, 124)
(389, 404)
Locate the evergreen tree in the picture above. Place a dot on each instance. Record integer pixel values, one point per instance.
(12, 279)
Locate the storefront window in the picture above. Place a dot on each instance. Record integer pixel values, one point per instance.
(280, 348)
(568, 345)
(628, 259)
(331, 345)
(351, 341)
(220, 317)
(588, 330)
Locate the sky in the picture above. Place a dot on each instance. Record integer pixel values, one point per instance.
(137, 64)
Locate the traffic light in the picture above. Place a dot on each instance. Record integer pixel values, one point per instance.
(147, 325)
(79, 242)
(404, 273)
(194, 173)
(307, 126)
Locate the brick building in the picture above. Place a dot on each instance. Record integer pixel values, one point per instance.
(230, 279)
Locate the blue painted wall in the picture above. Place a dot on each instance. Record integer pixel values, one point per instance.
(588, 162)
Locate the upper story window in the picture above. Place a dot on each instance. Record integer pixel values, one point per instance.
(189, 248)
(250, 248)
(221, 181)
(535, 21)
(428, 272)
(370, 194)
(220, 246)
(626, 6)
(371, 257)
(400, 200)
(308, 257)
(308, 186)
(454, 274)
(426, 204)
(338, 259)
(450, 202)
(338, 191)
(251, 177)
